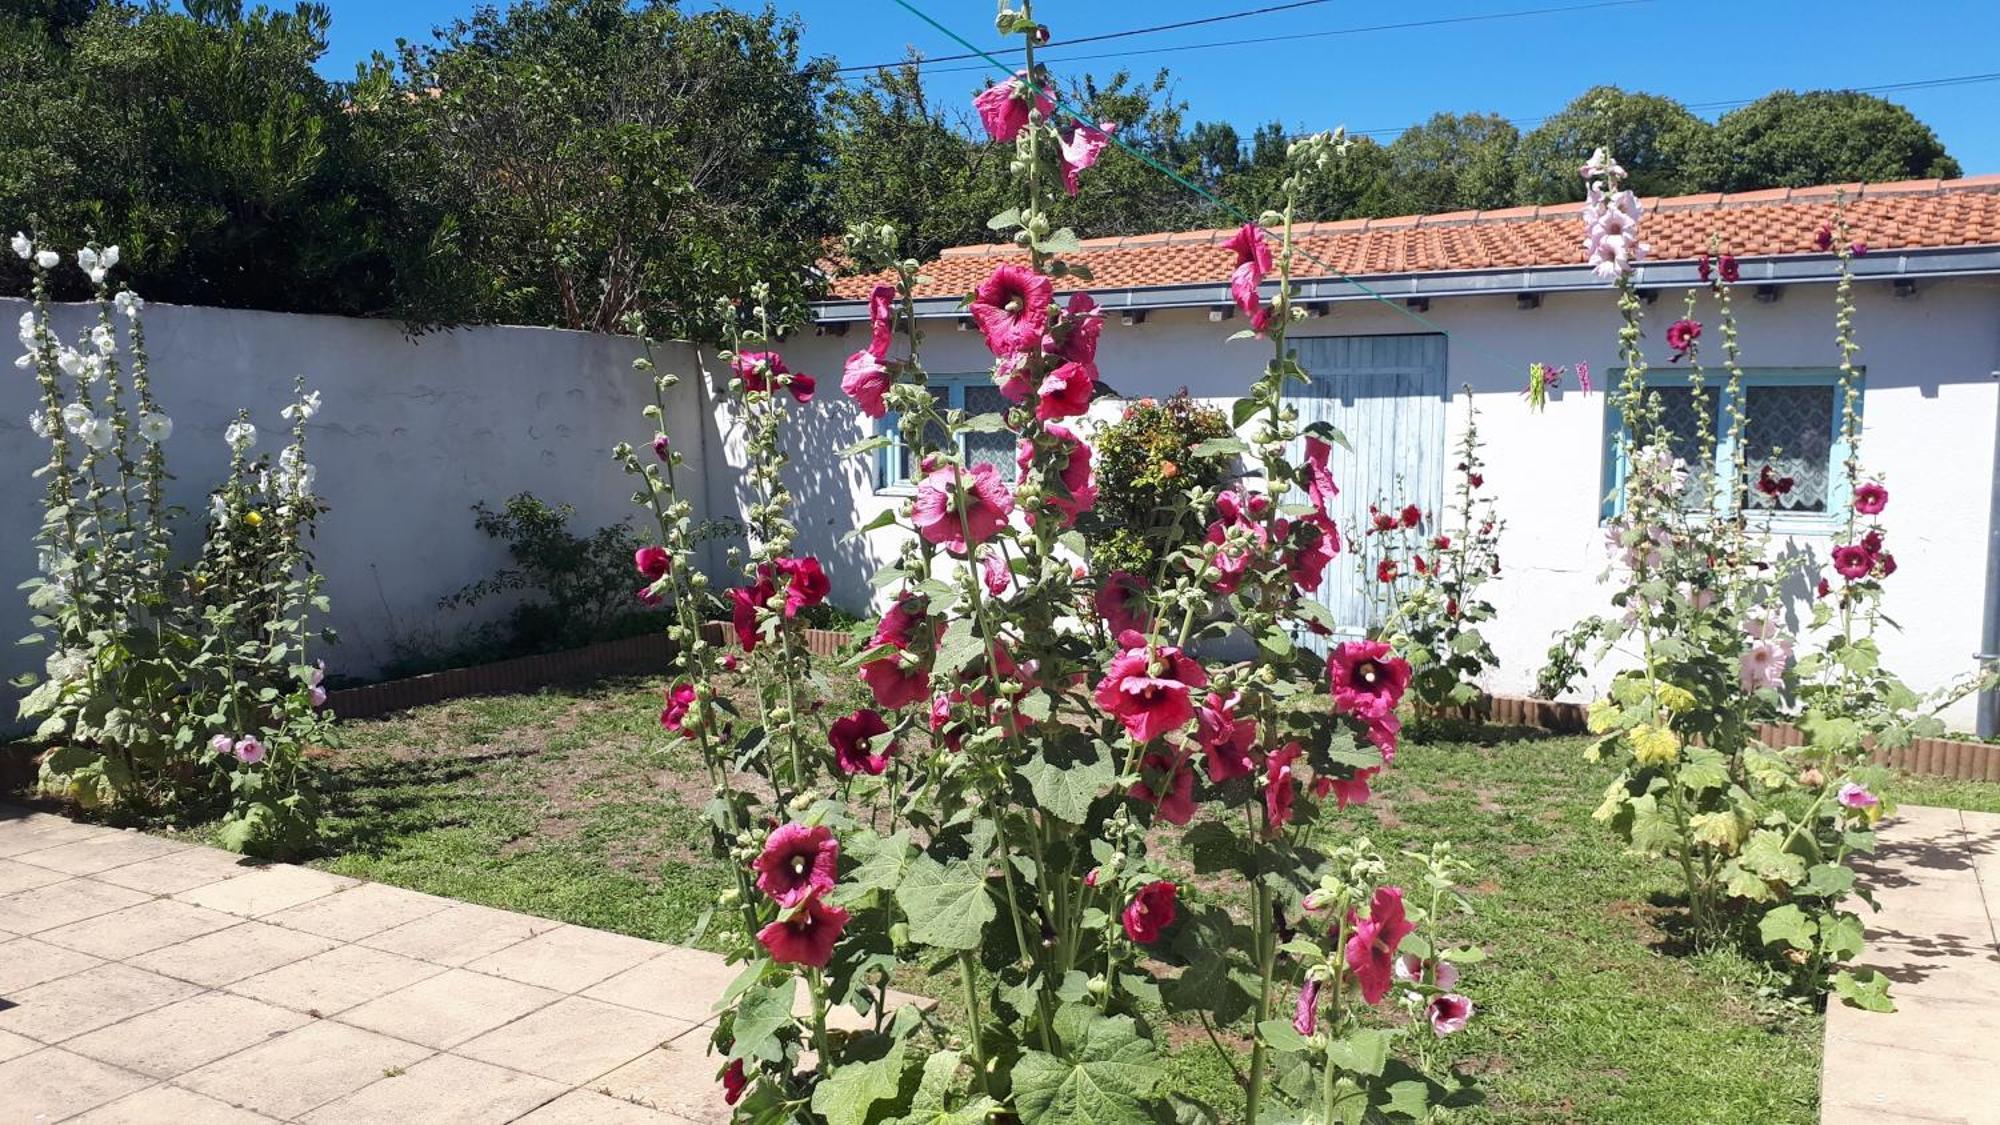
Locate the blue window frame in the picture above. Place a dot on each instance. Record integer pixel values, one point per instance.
(972, 393)
(1793, 426)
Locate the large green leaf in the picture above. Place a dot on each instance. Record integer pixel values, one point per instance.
(947, 904)
(858, 1090)
(762, 1013)
(1867, 989)
(1066, 790)
(1788, 924)
(1113, 1080)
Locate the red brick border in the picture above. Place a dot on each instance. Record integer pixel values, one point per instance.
(643, 653)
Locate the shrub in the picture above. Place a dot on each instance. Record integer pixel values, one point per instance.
(1145, 467)
(573, 587)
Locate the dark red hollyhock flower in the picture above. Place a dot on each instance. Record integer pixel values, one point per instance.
(1280, 787)
(853, 738)
(1122, 603)
(1858, 249)
(806, 936)
(1150, 912)
(1770, 484)
(895, 682)
(1442, 542)
(1681, 336)
(1168, 786)
(1476, 479)
(1227, 739)
(798, 862)
(680, 698)
(1853, 561)
(1823, 238)
(1872, 542)
(1384, 521)
(1412, 515)
(1870, 498)
(744, 602)
(1886, 563)
(1385, 571)
(646, 596)
(734, 1083)
(809, 584)
(1729, 271)
(1422, 566)
(1825, 588)
(1701, 268)
(652, 562)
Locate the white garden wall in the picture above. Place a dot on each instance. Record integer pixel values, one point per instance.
(1930, 419)
(413, 433)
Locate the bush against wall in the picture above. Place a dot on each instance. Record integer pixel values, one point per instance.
(1147, 461)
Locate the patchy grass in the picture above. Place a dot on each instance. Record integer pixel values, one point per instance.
(571, 804)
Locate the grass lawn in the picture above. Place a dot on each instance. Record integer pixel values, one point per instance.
(571, 804)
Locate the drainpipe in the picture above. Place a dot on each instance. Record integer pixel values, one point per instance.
(1989, 640)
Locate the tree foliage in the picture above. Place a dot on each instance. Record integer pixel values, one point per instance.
(1658, 140)
(1785, 139)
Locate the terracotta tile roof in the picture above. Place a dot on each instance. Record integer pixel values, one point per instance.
(1757, 224)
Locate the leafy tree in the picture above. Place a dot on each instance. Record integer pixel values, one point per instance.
(597, 160)
(1664, 146)
(1786, 139)
(1454, 162)
(1122, 194)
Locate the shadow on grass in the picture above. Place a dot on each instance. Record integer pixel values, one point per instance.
(376, 798)
(1474, 731)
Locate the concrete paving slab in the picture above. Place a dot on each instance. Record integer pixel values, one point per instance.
(169, 1041)
(266, 890)
(51, 1084)
(302, 1070)
(225, 956)
(330, 983)
(575, 1040)
(570, 958)
(683, 983)
(442, 1090)
(26, 962)
(449, 1008)
(59, 904)
(101, 852)
(97, 997)
(461, 934)
(183, 870)
(138, 929)
(169, 1105)
(359, 911)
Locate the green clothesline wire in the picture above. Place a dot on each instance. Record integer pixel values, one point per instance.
(1169, 173)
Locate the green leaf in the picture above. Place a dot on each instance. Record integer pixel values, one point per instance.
(1765, 854)
(1113, 1080)
(1868, 990)
(1220, 447)
(1282, 1037)
(763, 1012)
(1066, 790)
(1005, 220)
(1787, 924)
(883, 518)
(867, 445)
(882, 869)
(947, 904)
(958, 647)
(984, 424)
(1063, 241)
(1363, 1052)
(1841, 936)
(1704, 769)
(849, 1097)
(1243, 410)
(1828, 879)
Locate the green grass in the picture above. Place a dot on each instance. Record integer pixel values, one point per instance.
(570, 804)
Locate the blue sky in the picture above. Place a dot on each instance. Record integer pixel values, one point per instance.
(1526, 67)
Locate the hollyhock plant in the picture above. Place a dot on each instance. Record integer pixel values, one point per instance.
(1121, 603)
(1448, 1012)
(1853, 562)
(807, 584)
(1148, 688)
(853, 737)
(1065, 392)
(1681, 337)
(867, 382)
(1870, 499)
(1169, 787)
(1371, 950)
(959, 509)
(1004, 108)
(799, 861)
(1150, 912)
(1078, 493)
(1011, 308)
(1368, 679)
(806, 936)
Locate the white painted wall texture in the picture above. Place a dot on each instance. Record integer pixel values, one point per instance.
(1928, 433)
(414, 432)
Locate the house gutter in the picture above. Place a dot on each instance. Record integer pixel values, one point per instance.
(1791, 269)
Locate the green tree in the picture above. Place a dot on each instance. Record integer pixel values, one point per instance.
(1454, 162)
(1665, 148)
(1786, 139)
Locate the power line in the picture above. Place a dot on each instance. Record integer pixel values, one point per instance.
(1440, 21)
(1108, 35)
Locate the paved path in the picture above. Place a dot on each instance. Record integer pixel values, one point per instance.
(143, 980)
(1937, 1057)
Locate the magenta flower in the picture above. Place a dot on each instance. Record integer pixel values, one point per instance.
(660, 446)
(222, 744)
(734, 1082)
(1150, 912)
(759, 369)
(1225, 738)
(1853, 562)
(853, 737)
(1320, 488)
(798, 862)
(866, 381)
(1448, 1012)
(808, 584)
(895, 680)
(1065, 392)
(881, 320)
(1074, 337)
(679, 701)
(1823, 238)
(1281, 788)
(1351, 790)
(652, 562)
(1367, 679)
(1012, 308)
(1253, 262)
(1148, 689)
(959, 510)
(1167, 784)
(249, 750)
(1315, 542)
(993, 573)
(1854, 795)
(1081, 149)
(1870, 498)
(1121, 603)
(1371, 950)
(1681, 336)
(806, 936)
(1305, 1017)
(1079, 483)
(744, 601)
(1002, 108)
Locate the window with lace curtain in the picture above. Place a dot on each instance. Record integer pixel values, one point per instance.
(1790, 443)
(975, 394)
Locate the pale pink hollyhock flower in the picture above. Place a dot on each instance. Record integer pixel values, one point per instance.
(1448, 1012)
(1854, 795)
(315, 684)
(1763, 664)
(1081, 149)
(222, 744)
(249, 750)
(957, 509)
(1410, 970)
(1003, 112)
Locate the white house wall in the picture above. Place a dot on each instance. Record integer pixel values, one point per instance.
(1928, 433)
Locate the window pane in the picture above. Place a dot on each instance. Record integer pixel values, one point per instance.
(996, 449)
(1791, 430)
(902, 464)
(1681, 414)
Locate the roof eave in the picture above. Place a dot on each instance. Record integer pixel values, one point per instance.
(1792, 269)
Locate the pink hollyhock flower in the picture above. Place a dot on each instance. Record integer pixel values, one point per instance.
(1885, 564)
(744, 602)
(1853, 562)
(1317, 541)
(759, 369)
(1121, 602)
(866, 381)
(1175, 795)
(1148, 688)
(1081, 149)
(648, 596)
(1858, 249)
(798, 862)
(222, 744)
(1368, 679)
(1002, 110)
(1065, 392)
(652, 562)
(1253, 262)
(1872, 542)
(1012, 308)
(958, 510)
(1351, 790)
(1150, 912)
(993, 572)
(881, 320)
(1448, 1012)
(1226, 739)
(808, 585)
(660, 446)
(1075, 336)
(1410, 968)
(249, 750)
(680, 699)
(734, 1083)
(895, 682)
(853, 738)
(1305, 1017)
(802, 387)
(1371, 950)
(1319, 479)
(805, 937)
(1681, 336)
(1823, 238)
(1870, 498)
(1280, 788)
(1763, 664)
(1856, 796)
(1077, 478)
(1381, 732)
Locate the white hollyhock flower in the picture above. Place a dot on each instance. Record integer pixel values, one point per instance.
(218, 508)
(304, 409)
(38, 421)
(155, 428)
(240, 436)
(86, 259)
(27, 328)
(68, 665)
(105, 340)
(74, 416)
(21, 245)
(24, 361)
(296, 475)
(47, 259)
(71, 362)
(98, 433)
(108, 257)
(128, 302)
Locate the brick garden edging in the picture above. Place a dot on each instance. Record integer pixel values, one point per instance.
(1944, 757)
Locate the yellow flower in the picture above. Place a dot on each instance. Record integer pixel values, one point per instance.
(1602, 717)
(254, 518)
(1653, 746)
(1675, 699)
